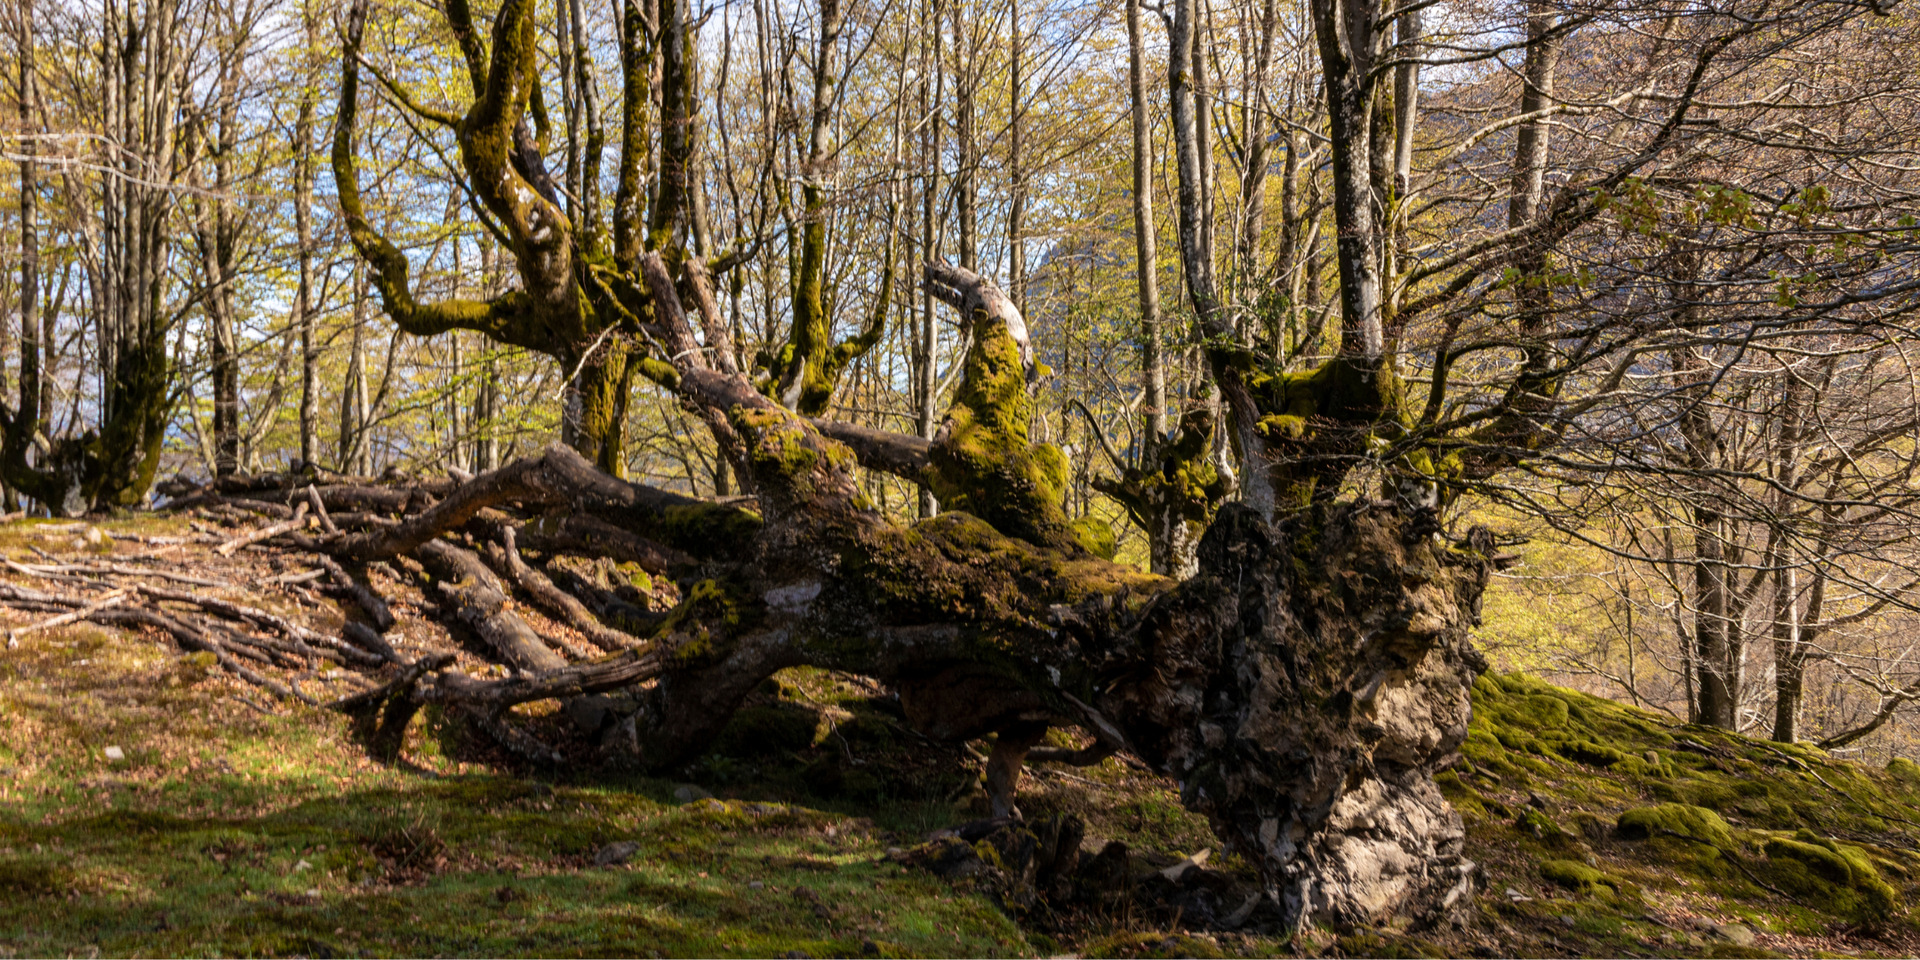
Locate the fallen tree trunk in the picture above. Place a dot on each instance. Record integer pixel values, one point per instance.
(1303, 688)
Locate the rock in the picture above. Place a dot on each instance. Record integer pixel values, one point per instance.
(1738, 933)
(1516, 896)
(302, 865)
(614, 853)
(688, 793)
(589, 713)
(115, 753)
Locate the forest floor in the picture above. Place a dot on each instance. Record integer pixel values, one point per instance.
(153, 804)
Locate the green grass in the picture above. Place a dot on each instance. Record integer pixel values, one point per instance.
(226, 831)
(194, 844)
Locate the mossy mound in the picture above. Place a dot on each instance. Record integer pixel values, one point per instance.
(1582, 878)
(1677, 819)
(1904, 770)
(1596, 815)
(1839, 877)
(1516, 715)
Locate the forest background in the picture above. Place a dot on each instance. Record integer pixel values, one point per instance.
(179, 293)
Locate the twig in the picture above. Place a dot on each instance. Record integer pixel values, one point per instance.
(117, 596)
(289, 579)
(269, 712)
(55, 569)
(265, 533)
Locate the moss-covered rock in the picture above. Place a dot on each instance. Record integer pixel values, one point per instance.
(1581, 877)
(1686, 820)
(1835, 877)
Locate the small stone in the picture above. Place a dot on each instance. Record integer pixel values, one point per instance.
(1516, 896)
(1738, 933)
(302, 865)
(614, 853)
(688, 793)
(757, 885)
(115, 753)
(314, 893)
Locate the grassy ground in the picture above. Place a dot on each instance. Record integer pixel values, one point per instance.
(235, 824)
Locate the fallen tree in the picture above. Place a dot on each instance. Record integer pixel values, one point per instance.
(1303, 689)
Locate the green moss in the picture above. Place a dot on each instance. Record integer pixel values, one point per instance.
(1153, 945)
(1096, 535)
(1686, 820)
(983, 462)
(1839, 878)
(1574, 875)
(1821, 861)
(696, 528)
(1904, 770)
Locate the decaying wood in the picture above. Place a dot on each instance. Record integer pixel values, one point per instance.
(298, 521)
(558, 601)
(117, 596)
(376, 608)
(482, 605)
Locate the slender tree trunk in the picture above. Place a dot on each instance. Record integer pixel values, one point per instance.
(303, 306)
(1146, 259)
(1016, 156)
(927, 347)
(966, 188)
(28, 414)
(1789, 663)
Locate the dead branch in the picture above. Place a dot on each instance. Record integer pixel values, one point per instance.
(193, 638)
(558, 601)
(580, 533)
(265, 533)
(903, 455)
(364, 635)
(117, 596)
(481, 604)
(573, 680)
(320, 509)
(369, 601)
(304, 637)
